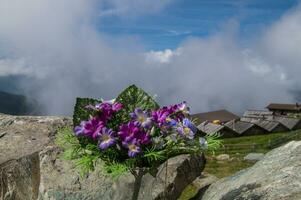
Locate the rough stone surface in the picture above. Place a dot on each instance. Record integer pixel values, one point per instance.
(276, 177)
(31, 168)
(59, 180)
(19, 179)
(171, 181)
(21, 140)
(254, 157)
(202, 183)
(24, 135)
(223, 157)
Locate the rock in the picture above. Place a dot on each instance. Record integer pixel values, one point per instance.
(223, 157)
(198, 187)
(169, 183)
(277, 176)
(25, 135)
(31, 168)
(20, 178)
(24, 138)
(60, 180)
(254, 157)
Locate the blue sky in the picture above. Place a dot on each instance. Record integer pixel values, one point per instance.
(180, 19)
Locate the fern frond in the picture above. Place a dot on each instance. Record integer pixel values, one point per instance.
(115, 170)
(152, 155)
(214, 142)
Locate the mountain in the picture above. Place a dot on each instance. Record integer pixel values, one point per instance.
(17, 104)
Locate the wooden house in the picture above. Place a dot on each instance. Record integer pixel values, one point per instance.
(268, 125)
(243, 128)
(218, 117)
(211, 128)
(284, 109)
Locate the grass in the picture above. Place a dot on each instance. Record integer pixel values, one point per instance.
(237, 149)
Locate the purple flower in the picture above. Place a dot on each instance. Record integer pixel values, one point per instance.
(187, 129)
(142, 118)
(133, 148)
(185, 132)
(128, 131)
(93, 127)
(79, 130)
(131, 131)
(163, 114)
(171, 122)
(183, 107)
(106, 138)
(107, 109)
(116, 106)
(160, 115)
(190, 125)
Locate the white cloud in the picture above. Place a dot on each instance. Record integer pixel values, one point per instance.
(161, 56)
(57, 43)
(11, 67)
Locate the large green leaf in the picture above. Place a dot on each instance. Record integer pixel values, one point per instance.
(80, 112)
(134, 97)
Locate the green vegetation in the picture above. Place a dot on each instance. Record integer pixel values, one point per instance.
(80, 112)
(239, 147)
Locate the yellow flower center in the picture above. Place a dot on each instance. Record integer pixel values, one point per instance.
(132, 147)
(141, 119)
(186, 130)
(105, 137)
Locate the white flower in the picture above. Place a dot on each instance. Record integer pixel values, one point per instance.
(203, 143)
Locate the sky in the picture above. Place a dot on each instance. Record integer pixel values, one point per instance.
(180, 19)
(214, 54)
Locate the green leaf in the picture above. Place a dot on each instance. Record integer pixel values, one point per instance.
(80, 112)
(134, 97)
(85, 164)
(115, 170)
(154, 156)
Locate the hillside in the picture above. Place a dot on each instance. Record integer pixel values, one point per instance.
(16, 104)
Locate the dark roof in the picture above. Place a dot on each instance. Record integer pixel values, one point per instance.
(268, 125)
(210, 128)
(290, 123)
(221, 115)
(281, 106)
(258, 113)
(239, 126)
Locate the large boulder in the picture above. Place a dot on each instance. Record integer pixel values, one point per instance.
(22, 138)
(277, 176)
(31, 168)
(172, 177)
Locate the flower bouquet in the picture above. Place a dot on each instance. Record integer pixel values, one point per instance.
(130, 133)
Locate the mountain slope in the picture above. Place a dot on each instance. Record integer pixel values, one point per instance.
(16, 104)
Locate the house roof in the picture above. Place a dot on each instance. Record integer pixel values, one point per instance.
(279, 106)
(221, 115)
(239, 126)
(210, 128)
(258, 113)
(268, 125)
(289, 123)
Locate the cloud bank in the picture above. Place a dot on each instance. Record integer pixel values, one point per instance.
(65, 55)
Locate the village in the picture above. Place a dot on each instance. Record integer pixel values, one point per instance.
(274, 119)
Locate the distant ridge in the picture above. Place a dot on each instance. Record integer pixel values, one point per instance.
(17, 104)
